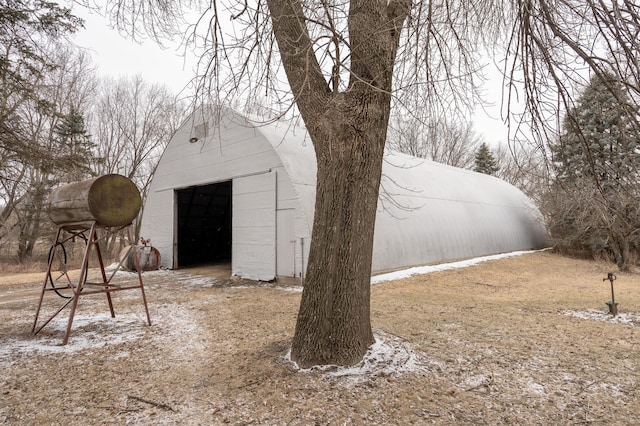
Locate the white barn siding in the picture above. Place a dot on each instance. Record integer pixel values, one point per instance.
(286, 249)
(158, 213)
(427, 212)
(233, 151)
(253, 253)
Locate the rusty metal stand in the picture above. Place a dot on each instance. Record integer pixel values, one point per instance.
(87, 231)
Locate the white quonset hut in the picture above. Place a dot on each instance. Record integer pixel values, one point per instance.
(232, 188)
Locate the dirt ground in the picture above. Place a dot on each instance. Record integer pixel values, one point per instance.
(521, 340)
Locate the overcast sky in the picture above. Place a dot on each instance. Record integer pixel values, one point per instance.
(117, 55)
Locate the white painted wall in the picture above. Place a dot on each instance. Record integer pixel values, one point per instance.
(427, 212)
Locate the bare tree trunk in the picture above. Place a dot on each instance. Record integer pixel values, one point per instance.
(622, 251)
(26, 239)
(334, 324)
(348, 130)
(31, 223)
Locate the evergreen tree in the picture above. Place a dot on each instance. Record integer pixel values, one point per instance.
(593, 207)
(75, 147)
(485, 161)
(599, 141)
(25, 28)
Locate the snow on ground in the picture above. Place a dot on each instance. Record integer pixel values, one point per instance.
(183, 277)
(390, 355)
(202, 281)
(626, 318)
(88, 331)
(93, 330)
(421, 270)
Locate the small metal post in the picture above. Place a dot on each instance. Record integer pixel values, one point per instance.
(613, 305)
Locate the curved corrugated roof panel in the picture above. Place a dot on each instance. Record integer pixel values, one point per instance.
(431, 212)
(427, 212)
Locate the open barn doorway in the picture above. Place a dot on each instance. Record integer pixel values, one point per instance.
(203, 225)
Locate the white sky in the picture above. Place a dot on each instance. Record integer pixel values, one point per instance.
(116, 55)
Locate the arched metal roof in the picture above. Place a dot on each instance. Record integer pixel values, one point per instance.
(427, 212)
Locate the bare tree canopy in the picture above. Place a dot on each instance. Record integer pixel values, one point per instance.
(48, 147)
(132, 122)
(524, 166)
(345, 63)
(556, 45)
(59, 124)
(442, 141)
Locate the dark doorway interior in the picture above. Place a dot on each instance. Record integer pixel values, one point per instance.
(204, 224)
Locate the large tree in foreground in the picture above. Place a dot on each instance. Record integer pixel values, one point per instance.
(346, 63)
(349, 130)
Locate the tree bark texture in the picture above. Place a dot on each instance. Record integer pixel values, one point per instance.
(348, 130)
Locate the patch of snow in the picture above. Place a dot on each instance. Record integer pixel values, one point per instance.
(170, 322)
(203, 281)
(421, 270)
(626, 318)
(476, 381)
(616, 390)
(190, 279)
(132, 274)
(390, 355)
(292, 289)
(536, 388)
(89, 330)
(200, 281)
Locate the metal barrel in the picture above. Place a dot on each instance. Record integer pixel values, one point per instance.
(109, 200)
(148, 258)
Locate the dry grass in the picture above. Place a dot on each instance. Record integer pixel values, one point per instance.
(489, 344)
(38, 262)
